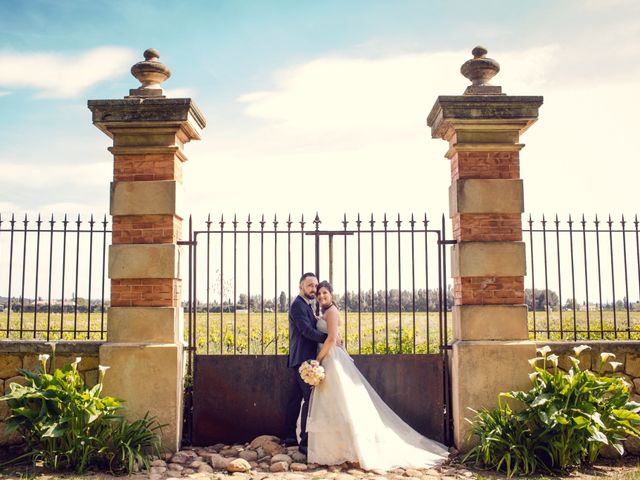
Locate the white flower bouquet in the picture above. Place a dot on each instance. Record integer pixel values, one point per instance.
(312, 372)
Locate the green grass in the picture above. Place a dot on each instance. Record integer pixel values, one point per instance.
(269, 331)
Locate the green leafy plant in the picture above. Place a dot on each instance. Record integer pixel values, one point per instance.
(69, 426)
(566, 419)
(506, 443)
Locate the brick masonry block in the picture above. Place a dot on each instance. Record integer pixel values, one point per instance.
(155, 166)
(146, 229)
(485, 164)
(488, 290)
(487, 227)
(146, 292)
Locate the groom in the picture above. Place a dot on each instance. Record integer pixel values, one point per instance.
(303, 345)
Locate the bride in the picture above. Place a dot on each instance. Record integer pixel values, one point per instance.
(348, 421)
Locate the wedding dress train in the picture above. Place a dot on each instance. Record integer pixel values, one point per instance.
(349, 422)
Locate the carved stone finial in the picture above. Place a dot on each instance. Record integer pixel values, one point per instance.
(480, 70)
(150, 73)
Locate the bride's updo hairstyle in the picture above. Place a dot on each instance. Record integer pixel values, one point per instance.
(327, 285)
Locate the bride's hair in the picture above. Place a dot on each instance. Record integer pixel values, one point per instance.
(327, 285)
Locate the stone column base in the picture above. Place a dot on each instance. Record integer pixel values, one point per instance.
(480, 370)
(149, 378)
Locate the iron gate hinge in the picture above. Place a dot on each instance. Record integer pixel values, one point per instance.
(187, 242)
(447, 242)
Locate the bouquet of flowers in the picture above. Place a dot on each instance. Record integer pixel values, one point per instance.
(312, 372)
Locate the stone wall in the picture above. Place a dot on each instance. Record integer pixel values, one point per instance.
(24, 354)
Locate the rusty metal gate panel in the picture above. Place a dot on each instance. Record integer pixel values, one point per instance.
(236, 398)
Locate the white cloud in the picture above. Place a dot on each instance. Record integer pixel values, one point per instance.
(55, 75)
(184, 92)
(67, 175)
(4, 94)
(348, 134)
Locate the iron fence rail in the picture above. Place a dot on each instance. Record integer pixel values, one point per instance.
(581, 277)
(53, 261)
(245, 274)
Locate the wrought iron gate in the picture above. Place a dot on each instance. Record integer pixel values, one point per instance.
(242, 276)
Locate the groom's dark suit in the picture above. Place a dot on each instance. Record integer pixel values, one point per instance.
(303, 345)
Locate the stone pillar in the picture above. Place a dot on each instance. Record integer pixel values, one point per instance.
(144, 345)
(490, 336)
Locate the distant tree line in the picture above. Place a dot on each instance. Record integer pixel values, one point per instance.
(422, 301)
(539, 298)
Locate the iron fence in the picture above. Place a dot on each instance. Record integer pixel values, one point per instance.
(387, 277)
(54, 275)
(581, 278)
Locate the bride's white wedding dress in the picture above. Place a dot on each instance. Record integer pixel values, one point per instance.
(349, 422)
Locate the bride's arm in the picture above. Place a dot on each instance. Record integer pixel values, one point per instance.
(333, 318)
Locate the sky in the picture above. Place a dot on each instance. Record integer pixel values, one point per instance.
(319, 106)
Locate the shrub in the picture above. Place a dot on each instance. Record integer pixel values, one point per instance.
(69, 426)
(566, 419)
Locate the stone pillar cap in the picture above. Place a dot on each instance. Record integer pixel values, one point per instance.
(151, 73)
(480, 70)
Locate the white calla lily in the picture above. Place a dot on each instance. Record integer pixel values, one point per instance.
(534, 361)
(44, 357)
(553, 358)
(605, 356)
(575, 361)
(52, 345)
(75, 364)
(579, 349)
(533, 376)
(615, 365)
(543, 350)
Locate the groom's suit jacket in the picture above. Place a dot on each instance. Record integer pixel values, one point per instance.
(303, 336)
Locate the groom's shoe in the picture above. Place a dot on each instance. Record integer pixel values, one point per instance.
(290, 442)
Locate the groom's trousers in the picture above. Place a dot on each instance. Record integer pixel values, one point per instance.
(300, 392)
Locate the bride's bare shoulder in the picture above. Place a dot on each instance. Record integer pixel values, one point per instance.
(332, 313)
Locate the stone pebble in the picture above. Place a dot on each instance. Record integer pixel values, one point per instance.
(265, 458)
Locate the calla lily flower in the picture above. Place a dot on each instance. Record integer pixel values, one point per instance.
(534, 361)
(574, 360)
(553, 358)
(103, 369)
(578, 350)
(43, 357)
(543, 350)
(52, 345)
(605, 356)
(615, 365)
